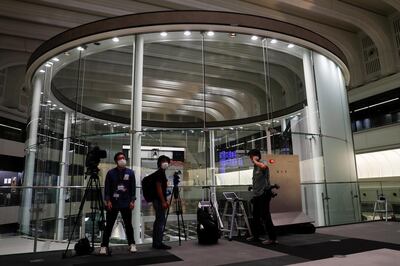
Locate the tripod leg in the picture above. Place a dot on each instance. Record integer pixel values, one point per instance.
(77, 218)
(177, 216)
(181, 216)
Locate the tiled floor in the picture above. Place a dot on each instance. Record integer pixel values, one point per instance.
(376, 243)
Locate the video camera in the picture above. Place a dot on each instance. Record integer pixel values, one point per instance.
(177, 178)
(93, 159)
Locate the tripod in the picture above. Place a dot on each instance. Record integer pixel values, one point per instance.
(178, 211)
(93, 193)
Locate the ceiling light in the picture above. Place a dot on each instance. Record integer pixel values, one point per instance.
(47, 65)
(42, 71)
(210, 33)
(254, 37)
(60, 108)
(291, 45)
(48, 101)
(115, 39)
(80, 48)
(232, 34)
(187, 33)
(55, 59)
(92, 119)
(274, 41)
(163, 34)
(66, 53)
(54, 105)
(105, 124)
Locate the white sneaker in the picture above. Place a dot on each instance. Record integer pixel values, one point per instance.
(132, 248)
(103, 251)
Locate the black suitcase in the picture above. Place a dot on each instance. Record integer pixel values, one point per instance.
(208, 229)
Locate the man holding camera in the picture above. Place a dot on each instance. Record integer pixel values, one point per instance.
(261, 200)
(120, 196)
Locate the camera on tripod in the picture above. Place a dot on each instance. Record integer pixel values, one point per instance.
(93, 159)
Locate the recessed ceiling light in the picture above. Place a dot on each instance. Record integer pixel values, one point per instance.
(92, 119)
(187, 33)
(254, 37)
(232, 34)
(80, 48)
(60, 108)
(105, 124)
(274, 41)
(55, 59)
(42, 71)
(163, 34)
(47, 65)
(298, 113)
(210, 33)
(291, 45)
(48, 101)
(115, 39)
(54, 105)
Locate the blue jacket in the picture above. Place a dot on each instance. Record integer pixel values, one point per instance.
(120, 187)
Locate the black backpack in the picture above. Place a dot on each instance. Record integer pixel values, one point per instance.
(82, 247)
(149, 187)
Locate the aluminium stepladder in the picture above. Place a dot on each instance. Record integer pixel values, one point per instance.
(238, 211)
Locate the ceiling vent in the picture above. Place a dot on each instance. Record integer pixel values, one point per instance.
(370, 57)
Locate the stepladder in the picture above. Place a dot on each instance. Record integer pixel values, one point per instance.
(235, 216)
(381, 207)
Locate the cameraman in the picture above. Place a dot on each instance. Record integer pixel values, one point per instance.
(120, 196)
(261, 199)
(160, 203)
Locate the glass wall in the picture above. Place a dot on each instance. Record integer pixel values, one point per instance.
(202, 98)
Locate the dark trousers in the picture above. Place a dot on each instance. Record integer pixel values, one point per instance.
(111, 216)
(159, 223)
(262, 216)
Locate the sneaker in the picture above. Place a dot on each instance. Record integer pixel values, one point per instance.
(162, 246)
(132, 248)
(253, 239)
(270, 242)
(103, 251)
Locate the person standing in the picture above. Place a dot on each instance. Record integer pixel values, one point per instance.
(160, 203)
(120, 196)
(261, 199)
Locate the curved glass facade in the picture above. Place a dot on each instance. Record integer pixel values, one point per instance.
(202, 98)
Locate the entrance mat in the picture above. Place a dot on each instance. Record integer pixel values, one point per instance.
(311, 250)
(118, 258)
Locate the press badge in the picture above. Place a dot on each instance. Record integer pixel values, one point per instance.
(116, 195)
(126, 177)
(121, 188)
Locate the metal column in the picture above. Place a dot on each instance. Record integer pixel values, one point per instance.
(31, 149)
(136, 134)
(64, 166)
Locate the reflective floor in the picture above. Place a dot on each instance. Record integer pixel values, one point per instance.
(376, 243)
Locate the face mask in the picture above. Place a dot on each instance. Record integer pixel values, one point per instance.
(121, 163)
(164, 165)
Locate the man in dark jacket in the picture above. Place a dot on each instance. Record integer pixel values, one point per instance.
(120, 196)
(160, 203)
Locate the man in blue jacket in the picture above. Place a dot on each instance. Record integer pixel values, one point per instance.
(120, 196)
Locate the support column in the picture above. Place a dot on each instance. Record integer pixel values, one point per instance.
(313, 141)
(269, 138)
(213, 176)
(26, 208)
(64, 167)
(136, 132)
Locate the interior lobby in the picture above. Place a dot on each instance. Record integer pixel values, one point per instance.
(313, 86)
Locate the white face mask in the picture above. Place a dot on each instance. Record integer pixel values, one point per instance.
(164, 165)
(121, 163)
